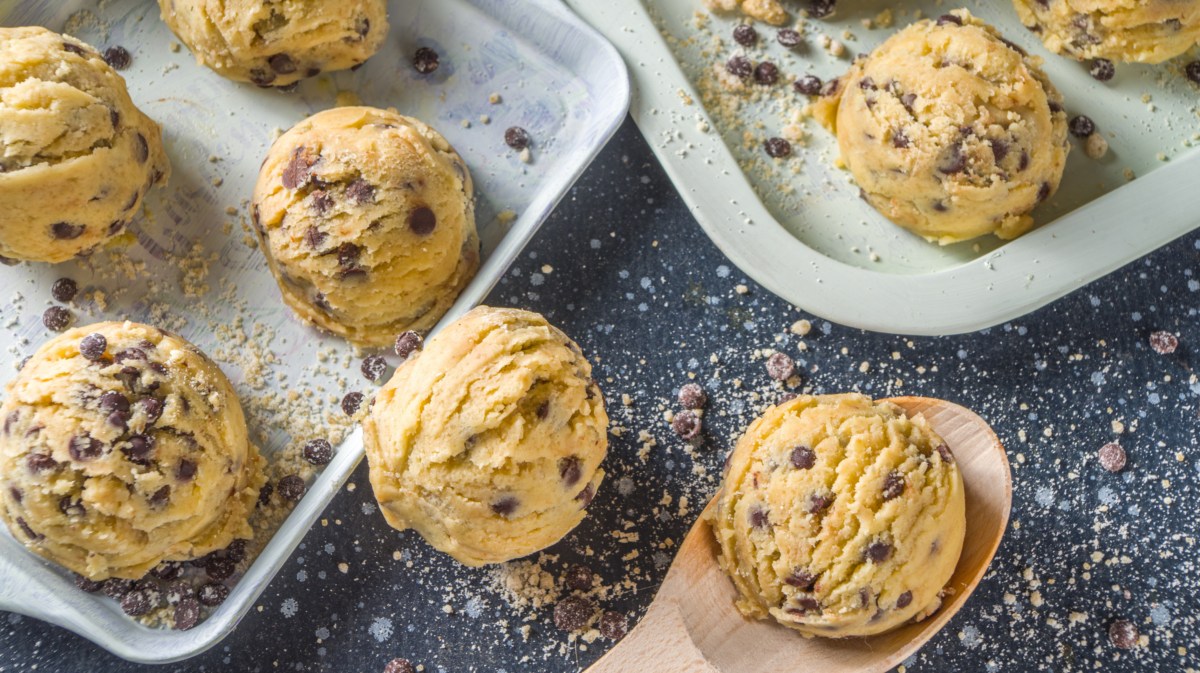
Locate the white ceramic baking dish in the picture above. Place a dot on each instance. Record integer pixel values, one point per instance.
(556, 77)
(825, 250)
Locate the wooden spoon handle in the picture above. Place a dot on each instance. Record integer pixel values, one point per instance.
(660, 643)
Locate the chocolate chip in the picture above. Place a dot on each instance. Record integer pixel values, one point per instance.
(1054, 106)
(572, 613)
(899, 139)
(1102, 69)
(212, 594)
(570, 470)
(10, 420)
(766, 73)
(141, 149)
(318, 451)
(1043, 192)
(904, 600)
(116, 588)
(893, 486)
(692, 396)
(819, 9)
(739, 66)
(167, 570)
(949, 18)
(818, 503)
(139, 449)
(292, 488)
(264, 493)
(613, 625)
(1192, 71)
(687, 424)
(93, 346)
(867, 84)
(75, 49)
(907, 101)
(138, 602)
(789, 38)
(878, 551)
(117, 57)
(160, 497)
(944, 452)
(177, 591)
(505, 506)
(809, 85)
(57, 318)
(84, 447)
(777, 148)
(298, 171)
(759, 518)
(745, 34)
(282, 64)
(152, 407)
(801, 579)
(399, 666)
(1081, 126)
(1123, 634)
(315, 238)
(348, 254)
(119, 420)
(40, 462)
(360, 191)
(586, 496)
(1014, 46)
(407, 344)
(322, 202)
(262, 78)
(64, 290)
(373, 367)
(804, 605)
(187, 614)
(1024, 162)
(17, 494)
(351, 402)
(781, 367)
(516, 138)
(1163, 343)
(1112, 457)
(236, 551)
(578, 578)
(84, 584)
(29, 532)
(425, 60)
(219, 568)
(803, 458)
(422, 221)
(113, 401)
(954, 161)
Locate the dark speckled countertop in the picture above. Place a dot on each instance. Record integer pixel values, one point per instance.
(623, 267)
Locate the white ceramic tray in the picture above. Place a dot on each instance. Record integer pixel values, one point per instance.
(557, 77)
(826, 250)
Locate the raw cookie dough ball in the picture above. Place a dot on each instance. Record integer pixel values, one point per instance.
(1146, 31)
(277, 42)
(76, 155)
(368, 222)
(123, 446)
(489, 441)
(950, 130)
(769, 11)
(840, 516)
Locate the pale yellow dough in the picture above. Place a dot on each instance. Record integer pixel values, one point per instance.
(95, 480)
(1145, 31)
(277, 42)
(840, 516)
(769, 11)
(949, 130)
(489, 441)
(76, 155)
(367, 220)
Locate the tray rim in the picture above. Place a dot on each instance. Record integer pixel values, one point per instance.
(25, 574)
(1016, 279)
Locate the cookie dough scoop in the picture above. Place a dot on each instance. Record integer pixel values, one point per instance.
(489, 441)
(1146, 31)
(950, 130)
(694, 625)
(77, 157)
(123, 446)
(367, 220)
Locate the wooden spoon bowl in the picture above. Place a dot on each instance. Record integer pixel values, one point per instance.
(692, 624)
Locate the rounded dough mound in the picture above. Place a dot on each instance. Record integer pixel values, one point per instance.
(950, 131)
(109, 467)
(274, 43)
(489, 441)
(76, 155)
(368, 222)
(840, 516)
(1145, 31)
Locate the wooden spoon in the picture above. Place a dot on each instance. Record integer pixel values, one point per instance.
(693, 626)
